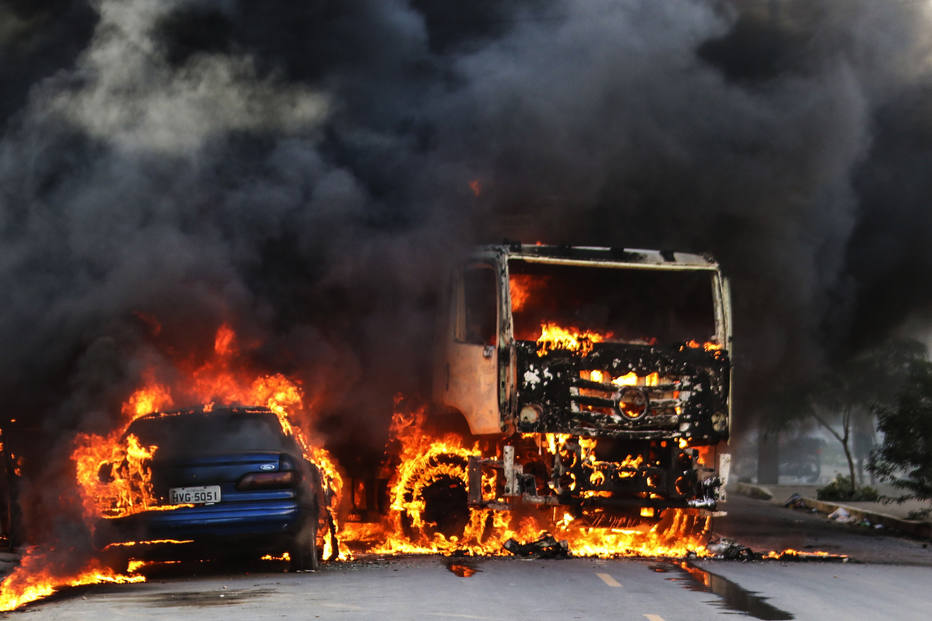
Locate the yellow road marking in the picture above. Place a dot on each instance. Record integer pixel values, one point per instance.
(609, 580)
(653, 617)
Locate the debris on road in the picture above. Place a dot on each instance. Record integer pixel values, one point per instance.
(841, 516)
(731, 550)
(545, 547)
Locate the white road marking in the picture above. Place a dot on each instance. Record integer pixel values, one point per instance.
(653, 617)
(608, 580)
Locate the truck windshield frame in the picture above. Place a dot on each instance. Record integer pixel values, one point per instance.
(621, 304)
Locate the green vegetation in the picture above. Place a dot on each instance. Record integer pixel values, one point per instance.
(845, 400)
(842, 489)
(904, 459)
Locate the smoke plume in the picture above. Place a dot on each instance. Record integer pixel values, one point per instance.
(308, 171)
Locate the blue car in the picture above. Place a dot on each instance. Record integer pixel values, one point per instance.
(249, 489)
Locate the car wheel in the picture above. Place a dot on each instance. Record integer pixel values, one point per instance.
(303, 550)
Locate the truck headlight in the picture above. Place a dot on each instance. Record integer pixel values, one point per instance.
(529, 414)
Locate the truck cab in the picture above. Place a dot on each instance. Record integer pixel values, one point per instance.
(597, 378)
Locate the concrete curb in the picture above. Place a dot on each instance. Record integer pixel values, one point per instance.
(916, 528)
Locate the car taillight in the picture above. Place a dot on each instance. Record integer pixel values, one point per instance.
(286, 462)
(267, 480)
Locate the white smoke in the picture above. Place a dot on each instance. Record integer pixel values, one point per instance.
(127, 95)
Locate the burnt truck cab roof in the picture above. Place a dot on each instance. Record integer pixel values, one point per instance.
(632, 257)
(589, 341)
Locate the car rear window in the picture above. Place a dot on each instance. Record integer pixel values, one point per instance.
(211, 432)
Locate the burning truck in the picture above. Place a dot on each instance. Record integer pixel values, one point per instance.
(593, 380)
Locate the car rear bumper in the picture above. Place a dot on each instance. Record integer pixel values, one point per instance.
(271, 519)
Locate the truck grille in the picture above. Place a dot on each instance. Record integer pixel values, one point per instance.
(599, 392)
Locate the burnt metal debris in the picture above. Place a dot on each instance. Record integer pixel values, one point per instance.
(729, 550)
(726, 549)
(545, 547)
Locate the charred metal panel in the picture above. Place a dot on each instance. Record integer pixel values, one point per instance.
(689, 399)
(469, 379)
(722, 292)
(473, 388)
(604, 257)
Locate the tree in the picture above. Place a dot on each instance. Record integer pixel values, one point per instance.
(845, 398)
(904, 458)
(835, 398)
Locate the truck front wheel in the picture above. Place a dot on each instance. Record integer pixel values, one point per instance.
(433, 498)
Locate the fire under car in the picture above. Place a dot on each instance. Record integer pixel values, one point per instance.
(227, 482)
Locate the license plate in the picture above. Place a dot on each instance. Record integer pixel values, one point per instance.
(205, 494)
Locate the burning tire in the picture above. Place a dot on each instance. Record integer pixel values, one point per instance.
(433, 498)
(445, 506)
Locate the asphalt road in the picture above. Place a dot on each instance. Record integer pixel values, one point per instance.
(514, 589)
(888, 577)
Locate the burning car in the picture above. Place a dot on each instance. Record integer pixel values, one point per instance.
(223, 480)
(595, 379)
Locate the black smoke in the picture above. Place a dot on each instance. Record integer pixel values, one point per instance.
(303, 170)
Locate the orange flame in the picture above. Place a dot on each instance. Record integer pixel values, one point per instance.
(113, 474)
(223, 341)
(554, 337)
(33, 579)
(114, 479)
(426, 461)
(523, 287)
(519, 286)
(707, 346)
(137, 565)
(629, 379)
(152, 398)
(792, 554)
(147, 542)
